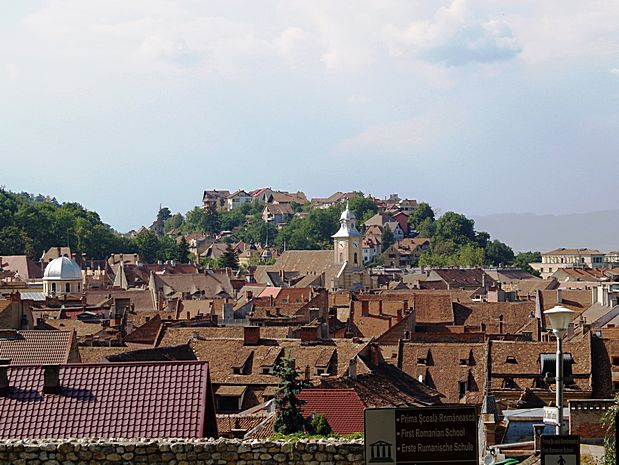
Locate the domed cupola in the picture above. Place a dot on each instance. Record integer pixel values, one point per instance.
(62, 276)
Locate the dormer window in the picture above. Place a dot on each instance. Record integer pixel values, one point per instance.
(237, 371)
(319, 371)
(422, 361)
(511, 359)
(509, 383)
(266, 370)
(616, 361)
(461, 388)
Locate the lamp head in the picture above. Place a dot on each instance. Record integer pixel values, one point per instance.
(560, 318)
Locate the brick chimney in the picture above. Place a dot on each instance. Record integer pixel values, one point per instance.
(251, 335)
(309, 333)
(365, 308)
(380, 307)
(399, 315)
(51, 379)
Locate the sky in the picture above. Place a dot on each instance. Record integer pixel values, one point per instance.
(480, 107)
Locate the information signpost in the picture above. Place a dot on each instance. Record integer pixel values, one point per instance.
(440, 435)
(560, 450)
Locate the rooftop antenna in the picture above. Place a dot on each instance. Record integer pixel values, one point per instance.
(267, 237)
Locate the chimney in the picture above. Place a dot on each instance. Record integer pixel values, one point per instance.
(380, 307)
(250, 295)
(51, 376)
(365, 308)
(195, 335)
(309, 333)
(352, 368)
(399, 315)
(559, 297)
(4, 375)
(251, 335)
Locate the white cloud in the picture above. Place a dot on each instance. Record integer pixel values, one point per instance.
(12, 71)
(615, 71)
(400, 137)
(456, 35)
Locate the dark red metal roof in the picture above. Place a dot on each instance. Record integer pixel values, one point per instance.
(122, 400)
(343, 408)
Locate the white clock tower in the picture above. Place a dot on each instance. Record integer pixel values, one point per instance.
(347, 241)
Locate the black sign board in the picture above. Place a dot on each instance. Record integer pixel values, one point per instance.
(560, 450)
(422, 436)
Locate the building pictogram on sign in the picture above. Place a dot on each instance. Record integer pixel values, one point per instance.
(380, 451)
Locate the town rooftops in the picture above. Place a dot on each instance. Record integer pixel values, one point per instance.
(343, 408)
(40, 347)
(564, 251)
(114, 400)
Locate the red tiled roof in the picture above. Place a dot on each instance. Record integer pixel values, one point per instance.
(37, 347)
(343, 408)
(123, 400)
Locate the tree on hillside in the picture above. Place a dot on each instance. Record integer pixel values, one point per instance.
(174, 222)
(289, 418)
(229, 259)
(610, 422)
(362, 207)
(195, 221)
(422, 214)
(387, 238)
(498, 253)
(147, 245)
(182, 251)
(211, 220)
(13, 241)
(523, 259)
(454, 227)
(162, 216)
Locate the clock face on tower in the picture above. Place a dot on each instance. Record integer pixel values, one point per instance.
(355, 245)
(342, 245)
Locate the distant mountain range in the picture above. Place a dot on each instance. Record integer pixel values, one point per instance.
(528, 231)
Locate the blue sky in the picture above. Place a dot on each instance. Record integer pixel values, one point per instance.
(475, 106)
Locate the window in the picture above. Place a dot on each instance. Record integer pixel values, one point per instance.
(356, 260)
(461, 388)
(227, 403)
(616, 385)
(511, 359)
(464, 361)
(78, 287)
(266, 370)
(236, 371)
(508, 383)
(67, 288)
(319, 371)
(615, 361)
(54, 288)
(422, 361)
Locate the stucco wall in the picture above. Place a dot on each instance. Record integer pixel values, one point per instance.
(180, 452)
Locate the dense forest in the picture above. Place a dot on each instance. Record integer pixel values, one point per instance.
(30, 224)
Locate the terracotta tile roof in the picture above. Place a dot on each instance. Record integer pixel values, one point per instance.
(124, 400)
(564, 251)
(386, 386)
(147, 333)
(156, 354)
(577, 300)
(141, 299)
(527, 356)
(508, 316)
(81, 328)
(245, 422)
(98, 354)
(21, 264)
(343, 408)
(440, 366)
(38, 347)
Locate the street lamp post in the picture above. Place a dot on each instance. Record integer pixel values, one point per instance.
(560, 318)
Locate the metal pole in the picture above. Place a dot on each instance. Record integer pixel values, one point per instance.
(559, 385)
